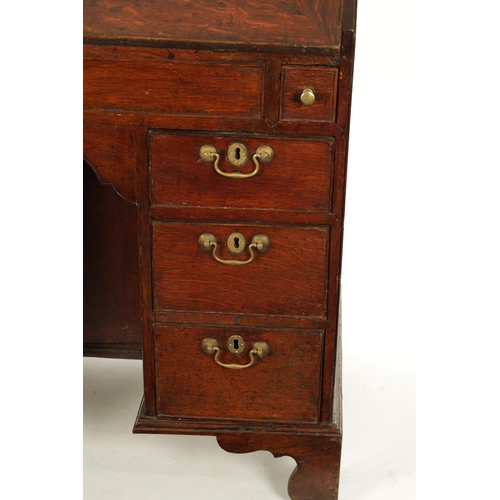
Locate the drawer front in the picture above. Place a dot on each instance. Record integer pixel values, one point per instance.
(284, 385)
(309, 94)
(288, 279)
(174, 88)
(298, 177)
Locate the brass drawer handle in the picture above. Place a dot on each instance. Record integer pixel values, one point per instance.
(259, 348)
(260, 242)
(209, 154)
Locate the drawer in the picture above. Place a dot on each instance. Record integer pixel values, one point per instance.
(284, 385)
(288, 279)
(298, 177)
(175, 88)
(317, 87)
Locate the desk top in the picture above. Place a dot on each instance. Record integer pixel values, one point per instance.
(306, 26)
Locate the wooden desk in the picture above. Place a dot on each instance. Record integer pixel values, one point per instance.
(219, 133)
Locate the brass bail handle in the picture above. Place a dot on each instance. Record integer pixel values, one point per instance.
(260, 242)
(260, 349)
(263, 153)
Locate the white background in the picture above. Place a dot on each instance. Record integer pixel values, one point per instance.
(420, 277)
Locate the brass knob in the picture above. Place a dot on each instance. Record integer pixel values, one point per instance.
(307, 97)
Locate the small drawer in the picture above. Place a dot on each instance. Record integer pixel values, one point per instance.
(284, 385)
(286, 278)
(298, 177)
(181, 88)
(309, 94)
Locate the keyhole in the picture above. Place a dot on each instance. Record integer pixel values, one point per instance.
(236, 344)
(236, 243)
(237, 154)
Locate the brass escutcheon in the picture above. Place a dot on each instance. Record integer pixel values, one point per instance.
(236, 344)
(236, 243)
(237, 154)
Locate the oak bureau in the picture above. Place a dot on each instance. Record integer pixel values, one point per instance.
(225, 124)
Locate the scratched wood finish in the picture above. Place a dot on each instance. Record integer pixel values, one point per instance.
(316, 476)
(322, 81)
(171, 87)
(298, 24)
(111, 301)
(290, 278)
(283, 386)
(180, 178)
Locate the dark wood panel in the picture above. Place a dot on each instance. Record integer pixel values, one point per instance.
(111, 300)
(281, 386)
(171, 87)
(304, 23)
(180, 178)
(110, 149)
(290, 278)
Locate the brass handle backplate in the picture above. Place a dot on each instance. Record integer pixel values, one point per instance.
(236, 244)
(259, 348)
(237, 154)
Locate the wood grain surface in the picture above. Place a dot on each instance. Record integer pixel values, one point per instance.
(292, 23)
(172, 87)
